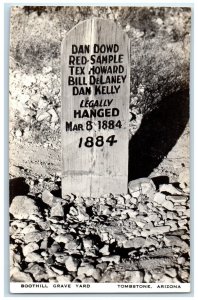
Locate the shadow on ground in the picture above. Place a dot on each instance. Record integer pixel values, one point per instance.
(18, 187)
(158, 133)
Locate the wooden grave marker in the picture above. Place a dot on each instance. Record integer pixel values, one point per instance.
(95, 69)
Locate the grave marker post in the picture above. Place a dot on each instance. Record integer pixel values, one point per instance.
(95, 69)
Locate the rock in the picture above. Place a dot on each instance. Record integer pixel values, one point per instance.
(64, 278)
(89, 279)
(34, 236)
(18, 133)
(178, 232)
(104, 210)
(166, 279)
(136, 243)
(134, 276)
(120, 201)
(73, 245)
(160, 222)
(184, 274)
(142, 208)
(42, 104)
(147, 277)
(180, 208)
(19, 276)
(112, 276)
(89, 270)
(41, 116)
(15, 258)
(28, 229)
(44, 254)
(38, 272)
(34, 257)
(168, 205)
(44, 244)
(171, 272)
(50, 272)
(58, 228)
(91, 252)
(11, 253)
(61, 257)
(19, 224)
(172, 224)
(89, 202)
(159, 198)
(151, 242)
(102, 266)
(57, 270)
(82, 216)
(47, 70)
(152, 218)
(111, 258)
(151, 263)
(140, 224)
(31, 247)
(184, 178)
(187, 213)
(172, 240)
(162, 252)
(131, 213)
(169, 188)
(79, 201)
(54, 115)
(57, 210)
(73, 211)
(104, 250)
(104, 236)
(144, 185)
(71, 264)
(87, 243)
(50, 260)
(177, 198)
(36, 218)
(171, 215)
(181, 260)
(48, 198)
(22, 207)
(64, 238)
(136, 194)
(182, 223)
(157, 274)
(111, 202)
(156, 230)
(55, 247)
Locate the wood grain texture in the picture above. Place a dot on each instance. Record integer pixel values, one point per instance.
(94, 171)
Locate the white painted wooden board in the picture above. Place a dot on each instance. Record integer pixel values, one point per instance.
(95, 67)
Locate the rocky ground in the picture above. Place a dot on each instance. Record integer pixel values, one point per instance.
(143, 236)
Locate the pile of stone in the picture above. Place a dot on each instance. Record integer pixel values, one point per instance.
(34, 103)
(142, 236)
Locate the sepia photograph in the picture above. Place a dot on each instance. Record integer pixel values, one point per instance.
(99, 149)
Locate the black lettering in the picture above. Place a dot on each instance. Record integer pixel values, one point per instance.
(81, 91)
(71, 60)
(68, 126)
(115, 112)
(74, 49)
(80, 49)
